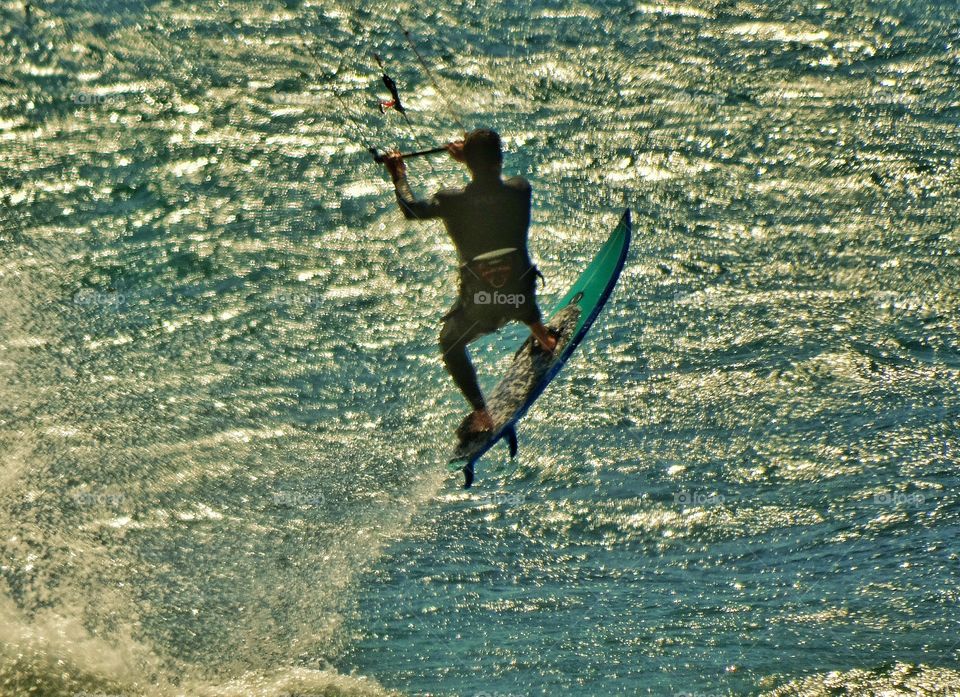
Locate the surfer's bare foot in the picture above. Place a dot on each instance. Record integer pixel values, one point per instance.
(547, 340)
(475, 423)
(481, 420)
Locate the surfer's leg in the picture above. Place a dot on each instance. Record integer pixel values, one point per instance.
(528, 312)
(542, 334)
(458, 331)
(453, 343)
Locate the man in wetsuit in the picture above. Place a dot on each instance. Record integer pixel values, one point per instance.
(488, 221)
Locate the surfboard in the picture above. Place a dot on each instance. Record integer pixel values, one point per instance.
(532, 369)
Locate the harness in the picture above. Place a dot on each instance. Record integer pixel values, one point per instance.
(498, 268)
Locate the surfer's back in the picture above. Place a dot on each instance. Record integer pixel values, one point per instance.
(485, 216)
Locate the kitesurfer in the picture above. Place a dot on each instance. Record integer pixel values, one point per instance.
(488, 221)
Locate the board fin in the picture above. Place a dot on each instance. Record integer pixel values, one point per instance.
(468, 476)
(511, 435)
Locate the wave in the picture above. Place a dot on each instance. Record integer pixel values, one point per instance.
(52, 655)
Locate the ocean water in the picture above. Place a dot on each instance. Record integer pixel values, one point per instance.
(223, 417)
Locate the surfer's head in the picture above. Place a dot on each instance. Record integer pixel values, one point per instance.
(483, 152)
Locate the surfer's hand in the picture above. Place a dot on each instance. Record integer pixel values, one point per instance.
(456, 150)
(394, 163)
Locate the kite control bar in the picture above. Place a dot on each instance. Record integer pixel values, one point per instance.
(379, 158)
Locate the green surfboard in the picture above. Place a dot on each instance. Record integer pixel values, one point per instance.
(532, 369)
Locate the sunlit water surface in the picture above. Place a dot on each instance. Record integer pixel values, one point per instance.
(223, 416)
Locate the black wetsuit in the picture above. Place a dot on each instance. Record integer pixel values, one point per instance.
(489, 220)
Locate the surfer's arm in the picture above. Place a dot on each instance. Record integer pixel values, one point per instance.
(412, 207)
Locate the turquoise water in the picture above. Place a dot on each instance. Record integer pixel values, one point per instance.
(223, 416)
